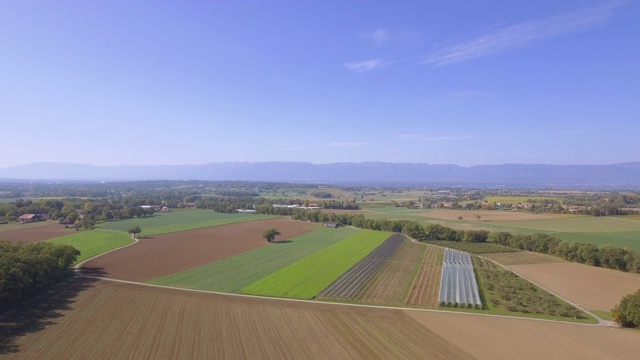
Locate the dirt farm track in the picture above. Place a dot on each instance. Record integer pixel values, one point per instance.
(166, 254)
(100, 319)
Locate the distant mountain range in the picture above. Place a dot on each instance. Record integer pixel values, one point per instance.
(621, 176)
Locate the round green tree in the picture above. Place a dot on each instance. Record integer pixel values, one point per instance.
(134, 231)
(627, 313)
(270, 234)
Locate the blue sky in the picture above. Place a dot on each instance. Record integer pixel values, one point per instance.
(193, 82)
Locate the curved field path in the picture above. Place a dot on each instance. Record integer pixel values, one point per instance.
(166, 254)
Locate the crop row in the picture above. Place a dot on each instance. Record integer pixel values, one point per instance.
(427, 283)
(349, 283)
(306, 278)
(458, 284)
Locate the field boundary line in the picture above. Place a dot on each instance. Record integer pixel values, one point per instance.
(332, 303)
(78, 265)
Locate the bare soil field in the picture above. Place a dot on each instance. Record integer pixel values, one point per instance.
(503, 338)
(591, 287)
(392, 282)
(521, 258)
(117, 321)
(487, 215)
(426, 286)
(35, 232)
(166, 254)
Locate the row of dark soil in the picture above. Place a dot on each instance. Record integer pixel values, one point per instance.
(349, 283)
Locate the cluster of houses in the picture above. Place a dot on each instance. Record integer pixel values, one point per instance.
(156, 208)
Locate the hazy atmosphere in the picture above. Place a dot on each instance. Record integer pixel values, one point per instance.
(194, 82)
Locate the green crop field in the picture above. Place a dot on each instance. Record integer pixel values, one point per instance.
(629, 239)
(94, 242)
(164, 223)
(582, 223)
(232, 274)
(306, 278)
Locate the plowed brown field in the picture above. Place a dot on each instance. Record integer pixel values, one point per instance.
(426, 286)
(35, 232)
(502, 338)
(170, 253)
(116, 321)
(591, 287)
(393, 280)
(127, 321)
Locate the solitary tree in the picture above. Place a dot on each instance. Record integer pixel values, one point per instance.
(460, 218)
(134, 231)
(270, 234)
(478, 217)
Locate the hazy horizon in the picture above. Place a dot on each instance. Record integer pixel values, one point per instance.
(191, 83)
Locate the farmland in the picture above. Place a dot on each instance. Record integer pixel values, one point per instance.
(409, 275)
(307, 277)
(506, 293)
(164, 223)
(349, 283)
(474, 248)
(114, 320)
(620, 231)
(235, 272)
(591, 287)
(166, 254)
(92, 243)
(522, 257)
(34, 232)
(458, 285)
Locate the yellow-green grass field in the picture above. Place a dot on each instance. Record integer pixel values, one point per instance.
(94, 242)
(304, 279)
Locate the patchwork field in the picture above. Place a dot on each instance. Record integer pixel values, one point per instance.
(592, 287)
(113, 320)
(522, 257)
(233, 273)
(306, 278)
(181, 220)
(166, 254)
(34, 232)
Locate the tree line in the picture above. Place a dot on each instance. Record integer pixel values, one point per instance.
(26, 269)
(606, 256)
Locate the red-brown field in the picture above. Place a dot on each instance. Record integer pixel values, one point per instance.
(170, 253)
(114, 320)
(426, 286)
(34, 232)
(591, 287)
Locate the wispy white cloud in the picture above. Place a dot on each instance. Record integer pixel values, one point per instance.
(420, 137)
(379, 37)
(364, 66)
(522, 34)
(349, 144)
